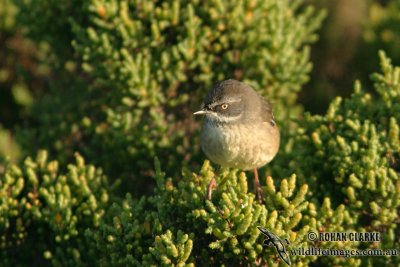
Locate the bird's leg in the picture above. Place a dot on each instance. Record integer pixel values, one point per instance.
(213, 183)
(210, 186)
(257, 187)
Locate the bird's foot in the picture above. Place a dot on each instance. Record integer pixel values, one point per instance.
(257, 187)
(258, 192)
(210, 186)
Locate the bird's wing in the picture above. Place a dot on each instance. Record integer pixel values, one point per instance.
(266, 110)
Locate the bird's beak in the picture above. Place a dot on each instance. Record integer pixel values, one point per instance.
(200, 112)
(203, 112)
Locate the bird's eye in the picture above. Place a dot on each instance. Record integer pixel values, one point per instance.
(224, 106)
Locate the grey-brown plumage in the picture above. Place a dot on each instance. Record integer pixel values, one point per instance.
(238, 130)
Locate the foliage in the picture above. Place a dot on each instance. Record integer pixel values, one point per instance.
(45, 211)
(351, 34)
(351, 155)
(125, 79)
(136, 70)
(221, 231)
(21, 78)
(380, 31)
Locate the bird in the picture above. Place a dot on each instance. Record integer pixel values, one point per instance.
(238, 130)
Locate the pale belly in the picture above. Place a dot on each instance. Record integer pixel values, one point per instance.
(242, 146)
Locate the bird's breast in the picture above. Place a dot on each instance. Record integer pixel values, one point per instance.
(242, 146)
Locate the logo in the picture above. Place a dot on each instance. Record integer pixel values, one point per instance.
(280, 246)
(275, 241)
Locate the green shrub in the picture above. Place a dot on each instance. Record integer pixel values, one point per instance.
(346, 162)
(126, 77)
(351, 155)
(131, 73)
(218, 232)
(45, 211)
(18, 61)
(380, 30)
